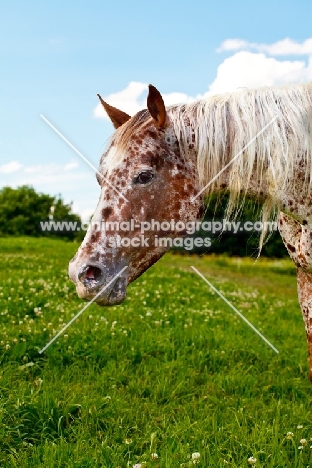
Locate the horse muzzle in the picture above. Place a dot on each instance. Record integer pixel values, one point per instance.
(94, 282)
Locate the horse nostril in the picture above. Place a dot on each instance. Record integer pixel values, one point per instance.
(91, 276)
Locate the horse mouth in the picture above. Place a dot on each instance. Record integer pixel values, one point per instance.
(107, 296)
(116, 294)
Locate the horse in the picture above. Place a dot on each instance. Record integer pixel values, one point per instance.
(161, 164)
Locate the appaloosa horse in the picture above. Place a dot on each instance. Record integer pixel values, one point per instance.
(250, 143)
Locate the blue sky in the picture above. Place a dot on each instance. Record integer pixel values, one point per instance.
(56, 56)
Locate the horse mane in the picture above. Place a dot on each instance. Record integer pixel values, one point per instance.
(221, 126)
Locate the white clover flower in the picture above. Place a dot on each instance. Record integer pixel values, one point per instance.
(289, 435)
(300, 426)
(154, 456)
(128, 441)
(195, 457)
(303, 442)
(252, 460)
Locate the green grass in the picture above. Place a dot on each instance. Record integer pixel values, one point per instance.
(171, 371)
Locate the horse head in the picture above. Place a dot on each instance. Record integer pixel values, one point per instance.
(147, 183)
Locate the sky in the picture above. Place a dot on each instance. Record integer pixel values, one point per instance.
(56, 56)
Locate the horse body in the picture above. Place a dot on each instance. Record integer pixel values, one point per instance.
(161, 162)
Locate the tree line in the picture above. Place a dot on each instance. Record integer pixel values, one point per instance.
(22, 209)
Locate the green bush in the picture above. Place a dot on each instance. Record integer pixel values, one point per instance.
(22, 209)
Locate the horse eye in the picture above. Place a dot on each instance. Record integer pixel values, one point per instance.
(144, 177)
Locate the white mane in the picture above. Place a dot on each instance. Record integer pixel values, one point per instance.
(223, 125)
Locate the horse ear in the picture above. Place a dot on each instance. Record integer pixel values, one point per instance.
(156, 106)
(117, 116)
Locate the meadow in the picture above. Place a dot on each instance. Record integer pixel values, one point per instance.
(170, 378)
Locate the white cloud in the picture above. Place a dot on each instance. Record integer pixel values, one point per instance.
(10, 167)
(178, 98)
(44, 169)
(252, 68)
(50, 169)
(284, 47)
(56, 180)
(133, 98)
(289, 47)
(58, 175)
(129, 100)
(70, 166)
(233, 44)
(246, 69)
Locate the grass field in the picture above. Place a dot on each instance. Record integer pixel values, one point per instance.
(172, 371)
